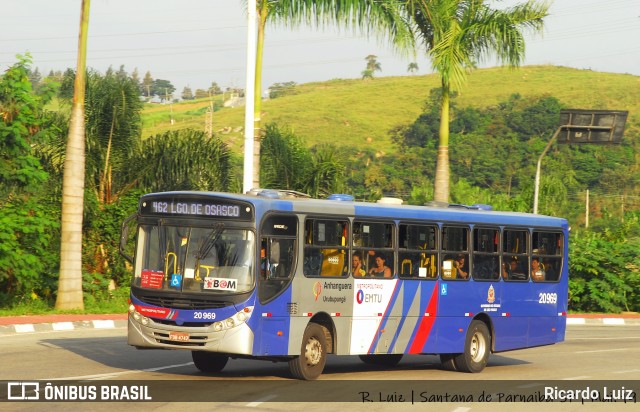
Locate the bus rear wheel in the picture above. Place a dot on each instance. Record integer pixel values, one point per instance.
(477, 347)
(448, 361)
(211, 362)
(313, 353)
(381, 360)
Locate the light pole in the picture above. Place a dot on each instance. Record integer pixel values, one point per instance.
(583, 127)
(248, 93)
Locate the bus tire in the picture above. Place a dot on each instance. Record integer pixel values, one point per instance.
(382, 360)
(313, 353)
(477, 347)
(210, 362)
(448, 361)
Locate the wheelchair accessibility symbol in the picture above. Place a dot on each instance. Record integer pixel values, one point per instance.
(176, 281)
(443, 289)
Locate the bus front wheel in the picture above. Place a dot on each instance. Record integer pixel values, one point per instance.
(477, 347)
(209, 361)
(313, 353)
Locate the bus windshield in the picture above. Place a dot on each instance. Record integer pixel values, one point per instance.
(207, 260)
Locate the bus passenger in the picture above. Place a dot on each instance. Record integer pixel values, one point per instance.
(356, 263)
(459, 265)
(380, 269)
(537, 273)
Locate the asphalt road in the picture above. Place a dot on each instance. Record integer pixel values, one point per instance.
(591, 354)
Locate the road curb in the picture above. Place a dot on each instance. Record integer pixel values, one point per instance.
(51, 323)
(47, 324)
(604, 321)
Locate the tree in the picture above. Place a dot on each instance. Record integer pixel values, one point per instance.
(162, 88)
(373, 64)
(66, 85)
(367, 74)
(214, 88)
(187, 94)
(113, 128)
(28, 226)
(368, 15)
(412, 67)
(180, 160)
(147, 84)
(457, 35)
(70, 283)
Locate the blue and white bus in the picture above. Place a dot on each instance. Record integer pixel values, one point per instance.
(276, 275)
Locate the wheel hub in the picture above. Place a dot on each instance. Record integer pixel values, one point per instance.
(313, 352)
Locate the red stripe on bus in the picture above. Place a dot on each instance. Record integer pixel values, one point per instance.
(426, 324)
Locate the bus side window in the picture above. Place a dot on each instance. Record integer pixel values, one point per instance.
(547, 250)
(486, 258)
(416, 246)
(515, 257)
(455, 258)
(325, 250)
(375, 239)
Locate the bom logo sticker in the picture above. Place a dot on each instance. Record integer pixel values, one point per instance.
(220, 284)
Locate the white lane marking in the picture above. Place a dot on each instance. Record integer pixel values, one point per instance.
(113, 374)
(628, 371)
(602, 350)
(261, 401)
(620, 338)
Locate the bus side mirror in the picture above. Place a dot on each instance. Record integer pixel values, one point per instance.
(124, 237)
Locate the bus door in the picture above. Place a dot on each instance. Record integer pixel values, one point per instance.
(545, 268)
(276, 269)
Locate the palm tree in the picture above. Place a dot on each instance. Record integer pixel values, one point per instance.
(179, 160)
(382, 16)
(70, 283)
(372, 63)
(412, 67)
(457, 35)
(112, 131)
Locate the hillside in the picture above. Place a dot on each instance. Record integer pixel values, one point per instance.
(361, 113)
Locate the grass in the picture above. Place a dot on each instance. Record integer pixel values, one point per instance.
(361, 113)
(116, 303)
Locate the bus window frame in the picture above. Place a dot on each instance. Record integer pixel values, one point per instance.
(368, 253)
(281, 283)
(344, 249)
(544, 257)
(475, 253)
(507, 257)
(431, 252)
(451, 255)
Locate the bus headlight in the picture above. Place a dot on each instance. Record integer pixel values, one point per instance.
(236, 320)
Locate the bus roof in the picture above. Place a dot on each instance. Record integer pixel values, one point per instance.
(290, 201)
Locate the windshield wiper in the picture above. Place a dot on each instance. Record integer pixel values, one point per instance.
(209, 241)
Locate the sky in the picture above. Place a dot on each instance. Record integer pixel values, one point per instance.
(196, 42)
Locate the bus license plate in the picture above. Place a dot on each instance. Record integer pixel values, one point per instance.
(179, 336)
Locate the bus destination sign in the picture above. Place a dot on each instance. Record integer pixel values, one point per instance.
(219, 208)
